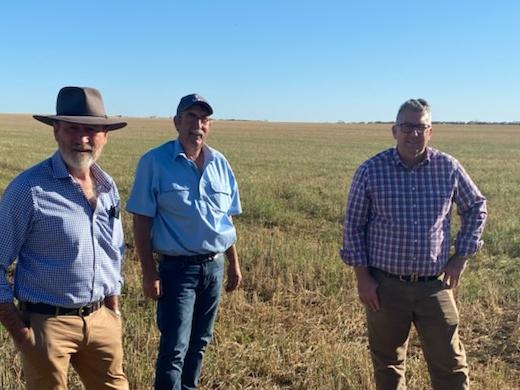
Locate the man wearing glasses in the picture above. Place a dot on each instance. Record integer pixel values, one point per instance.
(397, 238)
(183, 200)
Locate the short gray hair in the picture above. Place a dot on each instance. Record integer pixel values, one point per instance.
(416, 105)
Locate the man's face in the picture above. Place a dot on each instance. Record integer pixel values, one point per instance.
(79, 145)
(193, 126)
(412, 132)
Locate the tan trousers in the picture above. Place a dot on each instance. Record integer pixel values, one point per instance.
(91, 344)
(431, 308)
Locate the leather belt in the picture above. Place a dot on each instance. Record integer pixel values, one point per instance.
(410, 278)
(43, 308)
(193, 259)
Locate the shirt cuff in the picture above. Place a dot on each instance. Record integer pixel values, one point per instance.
(353, 259)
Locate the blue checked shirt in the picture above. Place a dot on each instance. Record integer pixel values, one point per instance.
(398, 219)
(67, 254)
(191, 210)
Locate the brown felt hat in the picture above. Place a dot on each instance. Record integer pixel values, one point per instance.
(81, 105)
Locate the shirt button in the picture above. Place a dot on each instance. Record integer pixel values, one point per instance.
(414, 206)
(415, 222)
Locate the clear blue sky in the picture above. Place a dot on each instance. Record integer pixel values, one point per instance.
(268, 59)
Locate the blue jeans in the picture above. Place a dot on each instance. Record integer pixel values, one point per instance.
(185, 315)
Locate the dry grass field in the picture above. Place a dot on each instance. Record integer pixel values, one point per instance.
(296, 322)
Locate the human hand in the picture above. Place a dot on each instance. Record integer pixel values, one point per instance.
(11, 319)
(23, 338)
(112, 303)
(234, 277)
(453, 270)
(367, 291)
(152, 285)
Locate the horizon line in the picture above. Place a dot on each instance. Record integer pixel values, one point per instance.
(461, 122)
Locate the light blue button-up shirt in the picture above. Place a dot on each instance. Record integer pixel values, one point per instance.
(68, 254)
(191, 210)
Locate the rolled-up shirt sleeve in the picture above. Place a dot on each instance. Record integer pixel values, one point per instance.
(354, 250)
(16, 211)
(472, 209)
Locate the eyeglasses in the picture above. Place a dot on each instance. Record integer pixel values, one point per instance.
(408, 128)
(191, 116)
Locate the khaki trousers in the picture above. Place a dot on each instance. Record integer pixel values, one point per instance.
(91, 344)
(431, 307)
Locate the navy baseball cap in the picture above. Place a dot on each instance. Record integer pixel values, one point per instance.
(190, 100)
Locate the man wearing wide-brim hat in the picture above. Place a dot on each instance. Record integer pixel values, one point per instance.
(61, 222)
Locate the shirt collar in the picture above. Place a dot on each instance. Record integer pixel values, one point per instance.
(59, 171)
(178, 150)
(397, 160)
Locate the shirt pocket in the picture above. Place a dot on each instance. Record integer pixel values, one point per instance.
(219, 196)
(117, 233)
(108, 221)
(110, 216)
(174, 197)
(114, 214)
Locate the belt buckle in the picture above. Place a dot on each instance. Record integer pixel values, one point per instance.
(201, 259)
(85, 311)
(414, 277)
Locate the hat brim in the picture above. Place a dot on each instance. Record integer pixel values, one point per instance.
(109, 124)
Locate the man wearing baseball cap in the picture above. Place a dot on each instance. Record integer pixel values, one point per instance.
(183, 200)
(61, 222)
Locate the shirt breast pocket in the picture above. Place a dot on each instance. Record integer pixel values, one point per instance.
(117, 233)
(174, 197)
(109, 222)
(219, 196)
